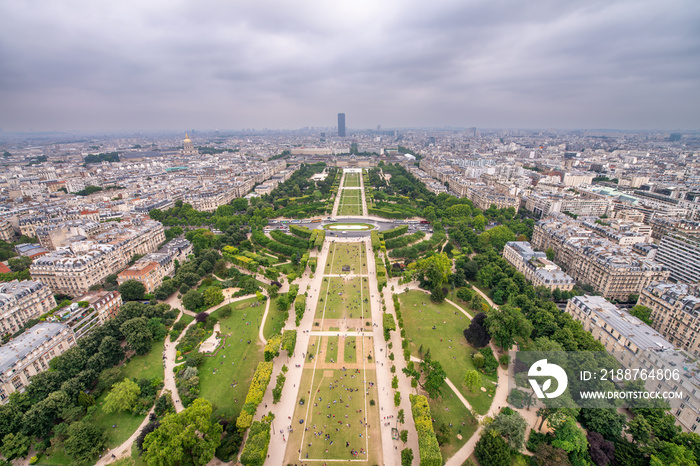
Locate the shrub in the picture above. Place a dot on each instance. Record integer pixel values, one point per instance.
(261, 379)
(428, 448)
(255, 449)
(272, 347)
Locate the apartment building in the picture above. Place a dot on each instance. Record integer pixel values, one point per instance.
(543, 204)
(535, 266)
(22, 301)
(661, 226)
(178, 248)
(7, 231)
(149, 270)
(30, 353)
(680, 253)
(484, 196)
(106, 303)
(675, 312)
(53, 236)
(614, 271)
(635, 345)
(73, 271)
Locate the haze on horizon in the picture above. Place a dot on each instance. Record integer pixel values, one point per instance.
(163, 64)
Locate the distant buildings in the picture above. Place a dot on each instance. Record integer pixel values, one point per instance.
(21, 302)
(30, 353)
(535, 266)
(341, 125)
(188, 148)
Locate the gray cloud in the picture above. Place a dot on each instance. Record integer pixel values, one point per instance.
(214, 64)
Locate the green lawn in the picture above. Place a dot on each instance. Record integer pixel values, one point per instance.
(448, 410)
(352, 180)
(346, 254)
(344, 298)
(275, 320)
(439, 327)
(332, 349)
(350, 355)
(236, 360)
(350, 202)
(147, 366)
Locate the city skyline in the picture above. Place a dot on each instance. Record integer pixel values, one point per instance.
(129, 66)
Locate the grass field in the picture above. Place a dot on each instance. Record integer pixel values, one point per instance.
(336, 418)
(350, 202)
(352, 180)
(224, 379)
(439, 327)
(275, 320)
(450, 412)
(352, 255)
(335, 407)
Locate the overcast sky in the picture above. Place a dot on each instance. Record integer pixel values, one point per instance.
(169, 64)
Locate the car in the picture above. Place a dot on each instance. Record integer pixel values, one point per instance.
(344, 232)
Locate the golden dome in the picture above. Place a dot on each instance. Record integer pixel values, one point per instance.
(187, 138)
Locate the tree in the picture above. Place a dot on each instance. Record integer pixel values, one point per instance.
(132, 290)
(602, 451)
(639, 429)
(497, 237)
(512, 427)
(213, 296)
(85, 441)
(111, 350)
(193, 300)
(18, 264)
(406, 457)
(122, 397)
(436, 270)
(507, 323)
(434, 376)
(475, 304)
(547, 455)
(569, 437)
(607, 422)
(137, 334)
(15, 446)
(404, 436)
(472, 380)
(476, 333)
(492, 450)
(643, 313)
(670, 454)
(188, 437)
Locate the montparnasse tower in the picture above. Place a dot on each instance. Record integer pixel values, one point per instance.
(187, 147)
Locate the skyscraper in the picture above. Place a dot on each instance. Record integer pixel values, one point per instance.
(341, 125)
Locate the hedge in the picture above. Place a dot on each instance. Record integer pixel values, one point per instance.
(299, 307)
(405, 240)
(320, 238)
(428, 448)
(437, 238)
(258, 385)
(289, 341)
(376, 242)
(290, 240)
(300, 231)
(272, 347)
(255, 450)
(394, 232)
(312, 264)
(275, 246)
